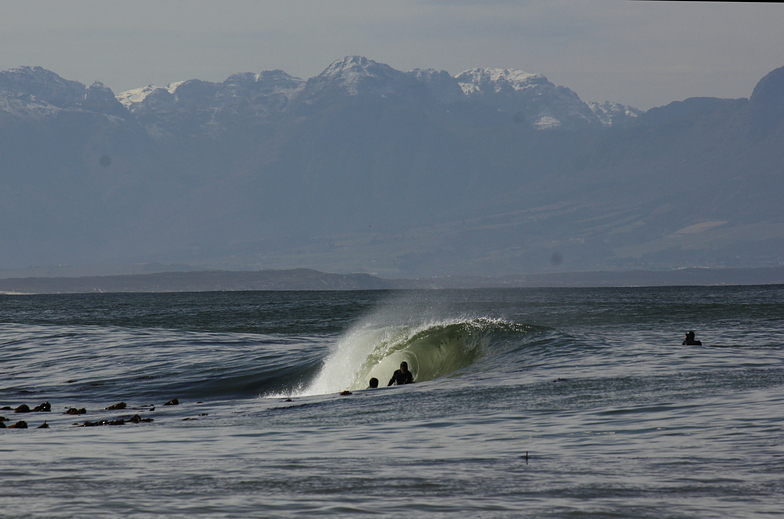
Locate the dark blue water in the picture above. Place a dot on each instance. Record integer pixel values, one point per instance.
(617, 418)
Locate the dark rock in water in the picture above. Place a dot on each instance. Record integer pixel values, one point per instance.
(24, 408)
(173, 401)
(103, 422)
(43, 425)
(3, 419)
(21, 424)
(2, 424)
(73, 410)
(121, 405)
(6, 408)
(43, 408)
(120, 421)
(345, 393)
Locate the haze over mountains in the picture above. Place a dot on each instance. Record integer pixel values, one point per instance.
(364, 168)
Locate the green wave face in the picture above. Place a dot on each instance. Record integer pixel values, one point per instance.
(432, 350)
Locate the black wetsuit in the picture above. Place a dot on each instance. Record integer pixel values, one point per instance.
(401, 378)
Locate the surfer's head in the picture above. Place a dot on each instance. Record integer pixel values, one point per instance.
(404, 366)
(373, 382)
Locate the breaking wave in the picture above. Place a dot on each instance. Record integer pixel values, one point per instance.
(432, 350)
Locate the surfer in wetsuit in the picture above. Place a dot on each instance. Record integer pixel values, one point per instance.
(690, 340)
(401, 376)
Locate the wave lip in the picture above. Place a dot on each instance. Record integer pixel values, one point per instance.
(432, 350)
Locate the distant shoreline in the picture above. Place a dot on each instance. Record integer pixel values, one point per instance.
(307, 279)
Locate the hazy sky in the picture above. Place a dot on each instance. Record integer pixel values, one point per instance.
(640, 53)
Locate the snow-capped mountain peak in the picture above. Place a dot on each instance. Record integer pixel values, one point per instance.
(499, 79)
(352, 67)
(531, 97)
(37, 92)
(357, 74)
(129, 98)
(614, 114)
(43, 84)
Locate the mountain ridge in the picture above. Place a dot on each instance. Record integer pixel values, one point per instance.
(351, 75)
(368, 169)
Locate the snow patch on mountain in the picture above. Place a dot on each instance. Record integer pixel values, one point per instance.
(547, 122)
(351, 71)
(499, 80)
(37, 92)
(355, 76)
(614, 114)
(133, 98)
(129, 98)
(43, 85)
(530, 97)
(245, 85)
(194, 107)
(27, 105)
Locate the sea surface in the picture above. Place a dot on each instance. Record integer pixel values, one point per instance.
(569, 403)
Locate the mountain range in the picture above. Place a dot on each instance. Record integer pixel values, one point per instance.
(364, 168)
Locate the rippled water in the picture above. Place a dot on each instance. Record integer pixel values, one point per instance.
(526, 402)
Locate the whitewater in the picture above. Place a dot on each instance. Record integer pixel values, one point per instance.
(525, 403)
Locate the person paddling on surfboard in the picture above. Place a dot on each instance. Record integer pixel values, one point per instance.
(690, 340)
(401, 376)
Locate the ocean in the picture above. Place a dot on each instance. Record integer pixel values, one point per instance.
(578, 403)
